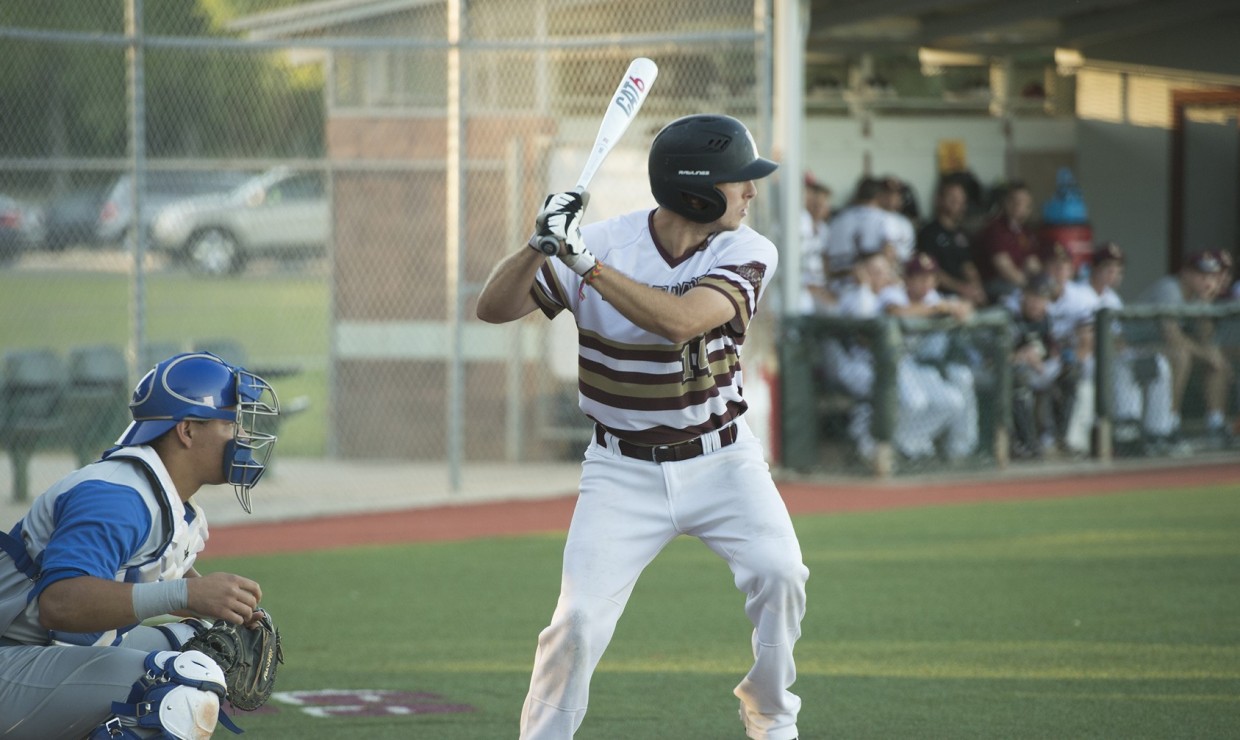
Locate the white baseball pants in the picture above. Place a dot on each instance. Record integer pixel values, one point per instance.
(627, 512)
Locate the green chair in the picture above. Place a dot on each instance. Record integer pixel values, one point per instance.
(31, 410)
(96, 399)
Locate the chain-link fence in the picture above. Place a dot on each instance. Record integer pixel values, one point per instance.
(317, 190)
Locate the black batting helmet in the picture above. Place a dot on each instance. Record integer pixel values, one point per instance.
(693, 154)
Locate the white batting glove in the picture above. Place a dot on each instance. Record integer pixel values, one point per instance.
(559, 230)
(571, 202)
(566, 230)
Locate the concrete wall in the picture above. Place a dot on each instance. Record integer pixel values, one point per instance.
(838, 150)
(1125, 173)
(1123, 170)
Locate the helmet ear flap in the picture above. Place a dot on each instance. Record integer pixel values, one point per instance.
(692, 155)
(703, 206)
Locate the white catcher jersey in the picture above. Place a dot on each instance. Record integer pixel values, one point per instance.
(168, 551)
(638, 385)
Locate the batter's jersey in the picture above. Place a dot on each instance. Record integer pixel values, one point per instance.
(117, 519)
(637, 384)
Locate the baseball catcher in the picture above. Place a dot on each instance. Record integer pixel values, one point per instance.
(248, 655)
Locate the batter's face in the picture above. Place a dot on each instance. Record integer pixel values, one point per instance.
(739, 195)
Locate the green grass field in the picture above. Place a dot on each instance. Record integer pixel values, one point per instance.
(280, 319)
(1101, 617)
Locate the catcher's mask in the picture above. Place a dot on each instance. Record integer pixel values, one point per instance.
(201, 386)
(692, 155)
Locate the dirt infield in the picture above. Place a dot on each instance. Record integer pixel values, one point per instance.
(553, 514)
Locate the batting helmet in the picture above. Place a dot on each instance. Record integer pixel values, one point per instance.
(201, 386)
(691, 155)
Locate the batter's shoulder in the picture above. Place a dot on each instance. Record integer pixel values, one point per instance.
(745, 245)
(617, 233)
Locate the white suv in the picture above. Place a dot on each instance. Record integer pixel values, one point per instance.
(280, 213)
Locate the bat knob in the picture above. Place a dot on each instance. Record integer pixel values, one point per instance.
(549, 245)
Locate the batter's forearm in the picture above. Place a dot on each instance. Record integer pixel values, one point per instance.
(675, 318)
(649, 308)
(506, 294)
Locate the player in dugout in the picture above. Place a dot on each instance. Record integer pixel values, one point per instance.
(662, 299)
(114, 544)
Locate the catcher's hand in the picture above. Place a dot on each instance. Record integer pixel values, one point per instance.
(248, 655)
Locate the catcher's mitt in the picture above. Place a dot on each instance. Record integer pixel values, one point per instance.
(248, 656)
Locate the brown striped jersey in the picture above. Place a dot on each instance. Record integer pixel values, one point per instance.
(638, 385)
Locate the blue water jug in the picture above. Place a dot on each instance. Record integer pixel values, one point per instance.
(1067, 206)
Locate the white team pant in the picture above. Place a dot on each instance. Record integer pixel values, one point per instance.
(1152, 407)
(929, 404)
(934, 403)
(627, 512)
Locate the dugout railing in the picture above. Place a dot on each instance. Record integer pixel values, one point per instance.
(1124, 390)
(825, 413)
(1139, 380)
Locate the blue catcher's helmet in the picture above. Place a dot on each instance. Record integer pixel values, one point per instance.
(201, 386)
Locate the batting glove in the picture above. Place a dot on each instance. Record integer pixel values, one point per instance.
(566, 229)
(559, 230)
(572, 203)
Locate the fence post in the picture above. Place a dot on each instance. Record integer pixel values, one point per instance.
(1104, 354)
(887, 350)
(1003, 395)
(798, 417)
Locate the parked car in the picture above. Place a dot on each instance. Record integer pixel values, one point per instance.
(72, 218)
(162, 187)
(21, 227)
(280, 213)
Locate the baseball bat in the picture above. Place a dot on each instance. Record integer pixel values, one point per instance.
(625, 103)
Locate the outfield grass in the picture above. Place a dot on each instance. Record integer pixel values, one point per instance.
(1104, 617)
(279, 319)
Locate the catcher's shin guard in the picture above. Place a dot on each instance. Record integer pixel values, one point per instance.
(179, 695)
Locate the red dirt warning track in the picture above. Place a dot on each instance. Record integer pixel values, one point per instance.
(553, 514)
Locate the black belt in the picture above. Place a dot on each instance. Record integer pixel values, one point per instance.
(686, 450)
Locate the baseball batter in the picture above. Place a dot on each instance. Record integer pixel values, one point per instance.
(114, 544)
(662, 301)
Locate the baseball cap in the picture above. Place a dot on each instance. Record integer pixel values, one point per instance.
(1107, 252)
(920, 264)
(1204, 262)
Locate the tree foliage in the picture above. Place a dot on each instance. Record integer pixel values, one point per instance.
(67, 99)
